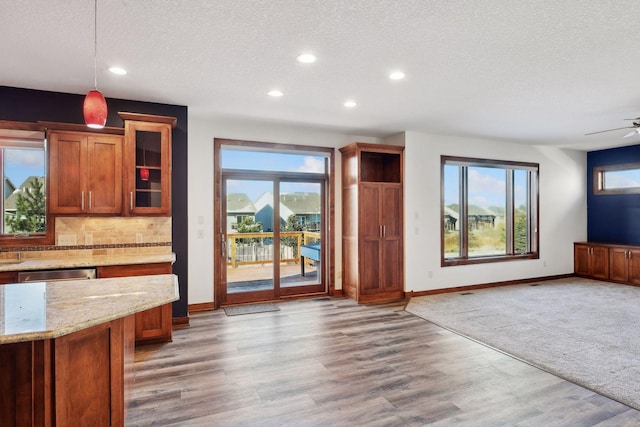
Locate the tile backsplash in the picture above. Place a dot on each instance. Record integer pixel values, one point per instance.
(72, 231)
(100, 236)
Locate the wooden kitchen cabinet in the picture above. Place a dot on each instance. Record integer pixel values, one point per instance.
(77, 379)
(147, 164)
(7, 277)
(372, 238)
(153, 325)
(591, 260)
(85, 173)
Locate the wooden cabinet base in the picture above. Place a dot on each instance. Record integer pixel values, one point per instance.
(156, 324)
(77, 379)
(611, 262)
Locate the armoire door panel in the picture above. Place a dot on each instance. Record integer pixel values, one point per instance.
(370, 266)
(369, 211)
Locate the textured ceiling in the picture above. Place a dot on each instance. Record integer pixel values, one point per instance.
(539, 72)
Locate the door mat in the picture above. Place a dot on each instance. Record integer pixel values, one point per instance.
(236, 310)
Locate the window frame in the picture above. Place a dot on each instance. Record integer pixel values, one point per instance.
(533, 210)
(599, 180)
(36, 239)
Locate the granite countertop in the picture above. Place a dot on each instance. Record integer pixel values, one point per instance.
(91, 261)
(45, 310)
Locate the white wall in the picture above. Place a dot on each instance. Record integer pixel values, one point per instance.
(563, 211)
(200, 188)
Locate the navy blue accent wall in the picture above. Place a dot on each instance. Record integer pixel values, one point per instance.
(612, 218)
(27, 105)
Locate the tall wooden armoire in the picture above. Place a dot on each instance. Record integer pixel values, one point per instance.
(372, 222)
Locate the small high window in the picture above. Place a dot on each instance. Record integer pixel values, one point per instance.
(617, 179)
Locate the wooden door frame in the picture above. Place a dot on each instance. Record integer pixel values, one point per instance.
(219, 293)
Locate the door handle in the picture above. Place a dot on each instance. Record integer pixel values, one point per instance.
(82, 202)
(90, 200)
(224, 246)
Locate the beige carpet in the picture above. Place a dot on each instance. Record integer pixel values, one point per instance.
(585, 331)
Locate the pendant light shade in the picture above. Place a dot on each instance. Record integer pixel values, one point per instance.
(95, 106)
(95, 109)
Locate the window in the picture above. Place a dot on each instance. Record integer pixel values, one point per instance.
(23, 171)
(617, 179)
(489, 210)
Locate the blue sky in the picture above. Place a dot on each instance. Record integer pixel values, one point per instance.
(269, 161)
(487, 186)
(625, 178)
(21, 164)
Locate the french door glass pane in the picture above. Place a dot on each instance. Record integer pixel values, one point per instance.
(250, 240)
(300, 228)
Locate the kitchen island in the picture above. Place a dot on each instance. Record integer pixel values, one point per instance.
(66, 348)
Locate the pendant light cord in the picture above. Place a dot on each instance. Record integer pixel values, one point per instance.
(95, 45)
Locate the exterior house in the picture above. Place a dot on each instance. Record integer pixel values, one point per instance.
(306, 208)
(264, 211)
(238, 207)
(450, 219)
(480, 218)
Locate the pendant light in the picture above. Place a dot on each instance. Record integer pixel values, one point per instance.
(144, 171)
(95, 106)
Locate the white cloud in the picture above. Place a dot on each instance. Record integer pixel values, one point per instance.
(28, 158)
(486, 190)
(312, 164)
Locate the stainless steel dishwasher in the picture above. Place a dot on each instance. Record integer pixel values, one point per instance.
(56, 275)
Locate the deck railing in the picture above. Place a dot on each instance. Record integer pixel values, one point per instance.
(257, 248)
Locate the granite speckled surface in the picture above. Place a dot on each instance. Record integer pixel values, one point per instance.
(45, 310)
(91, 261)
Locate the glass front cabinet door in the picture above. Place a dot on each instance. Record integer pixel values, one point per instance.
(147, 159)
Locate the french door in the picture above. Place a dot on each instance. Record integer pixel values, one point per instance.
(271, 234)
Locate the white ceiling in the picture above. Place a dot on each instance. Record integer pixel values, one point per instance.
(538, 72)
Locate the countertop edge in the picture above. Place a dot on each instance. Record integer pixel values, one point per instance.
(97, 320)
(95, 261)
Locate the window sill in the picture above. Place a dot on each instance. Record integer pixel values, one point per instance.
(488, 259)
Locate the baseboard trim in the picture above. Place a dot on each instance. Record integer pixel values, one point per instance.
(180, 322)
(411, 294)
(201, 306)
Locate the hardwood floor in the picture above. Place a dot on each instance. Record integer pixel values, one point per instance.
(329, 362)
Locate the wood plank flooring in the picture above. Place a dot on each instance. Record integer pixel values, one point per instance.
(330, 362)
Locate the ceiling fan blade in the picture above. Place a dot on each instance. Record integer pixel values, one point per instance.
(633, 132)
(609, 130)
(637, 118)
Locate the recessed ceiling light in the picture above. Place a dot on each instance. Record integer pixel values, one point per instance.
(118, 70)
(396, 75)
(275, 93)
(350, 103)
(306, 58)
